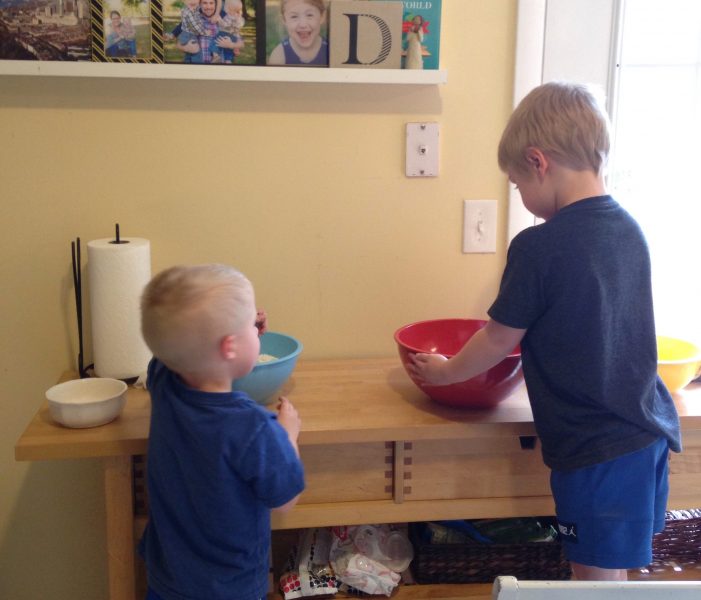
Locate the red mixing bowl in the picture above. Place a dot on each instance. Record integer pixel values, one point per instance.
(447, 337)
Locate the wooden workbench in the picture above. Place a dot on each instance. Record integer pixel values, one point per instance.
(375, 450)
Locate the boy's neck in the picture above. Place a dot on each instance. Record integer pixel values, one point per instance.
(574, 186)
(206, 383)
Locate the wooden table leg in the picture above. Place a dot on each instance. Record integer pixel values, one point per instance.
(120, 527)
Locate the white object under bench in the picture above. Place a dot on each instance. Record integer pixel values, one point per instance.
(510, 588)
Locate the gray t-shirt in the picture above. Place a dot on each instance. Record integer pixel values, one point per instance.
(580, 284)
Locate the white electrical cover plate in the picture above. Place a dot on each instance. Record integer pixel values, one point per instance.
(422, 149)
(479, 233)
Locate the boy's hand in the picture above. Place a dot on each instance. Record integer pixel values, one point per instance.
(429, 368)
(288, 417)
(261, 322)
(291, 423)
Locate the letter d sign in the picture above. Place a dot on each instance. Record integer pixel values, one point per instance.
(365, 34)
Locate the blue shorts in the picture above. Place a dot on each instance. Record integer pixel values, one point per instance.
(607, 513)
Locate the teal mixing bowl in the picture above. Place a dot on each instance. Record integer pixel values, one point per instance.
(265, 380)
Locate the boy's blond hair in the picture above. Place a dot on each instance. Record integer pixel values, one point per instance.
(187, 310)
(566, 121)
(319, 4)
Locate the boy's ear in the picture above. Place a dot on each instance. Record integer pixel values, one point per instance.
(537, 159)
(227, 347)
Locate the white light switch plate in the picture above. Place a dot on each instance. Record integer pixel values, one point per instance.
(422, 149)
(479, 232)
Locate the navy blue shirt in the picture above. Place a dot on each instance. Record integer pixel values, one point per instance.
(217, 463)
(580, 284)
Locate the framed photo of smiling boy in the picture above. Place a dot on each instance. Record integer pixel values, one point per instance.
(296, 33)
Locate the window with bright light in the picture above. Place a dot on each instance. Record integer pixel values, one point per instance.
(656, 154)
(646, 56)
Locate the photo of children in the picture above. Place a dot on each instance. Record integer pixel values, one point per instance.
(296, 32)
(127, 29)
(230, 27)
(210, 31)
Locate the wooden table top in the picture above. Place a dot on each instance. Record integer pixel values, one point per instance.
(340, 401)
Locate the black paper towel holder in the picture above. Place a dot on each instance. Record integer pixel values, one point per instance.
(117, 239)
(78, 288)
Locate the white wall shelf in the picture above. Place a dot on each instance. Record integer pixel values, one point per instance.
(222, 73)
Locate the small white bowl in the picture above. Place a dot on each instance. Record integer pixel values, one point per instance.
(90, 402)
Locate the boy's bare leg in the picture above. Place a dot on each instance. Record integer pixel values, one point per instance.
(588, 573)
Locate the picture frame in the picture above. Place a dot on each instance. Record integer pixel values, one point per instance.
(128, 31)
(45, 31)
(296, 33)
(190, 37)
(421, 34)
(365, 34)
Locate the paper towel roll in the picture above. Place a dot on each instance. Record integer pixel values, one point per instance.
(117, 275)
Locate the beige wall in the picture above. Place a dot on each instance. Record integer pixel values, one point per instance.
(301, 186)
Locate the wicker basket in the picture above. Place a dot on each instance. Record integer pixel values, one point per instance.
(680, 542)
(679, 545)
(481, 563)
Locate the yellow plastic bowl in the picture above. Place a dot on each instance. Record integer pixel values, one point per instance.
(678, 362)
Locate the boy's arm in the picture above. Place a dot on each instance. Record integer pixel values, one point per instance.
(287, 506)
(486, 348)
(291, 423)
(176, 31)
(288, 417)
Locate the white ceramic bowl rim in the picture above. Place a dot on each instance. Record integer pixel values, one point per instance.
(81, 391)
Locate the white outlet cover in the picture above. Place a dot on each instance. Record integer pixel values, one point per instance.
(422, 149)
